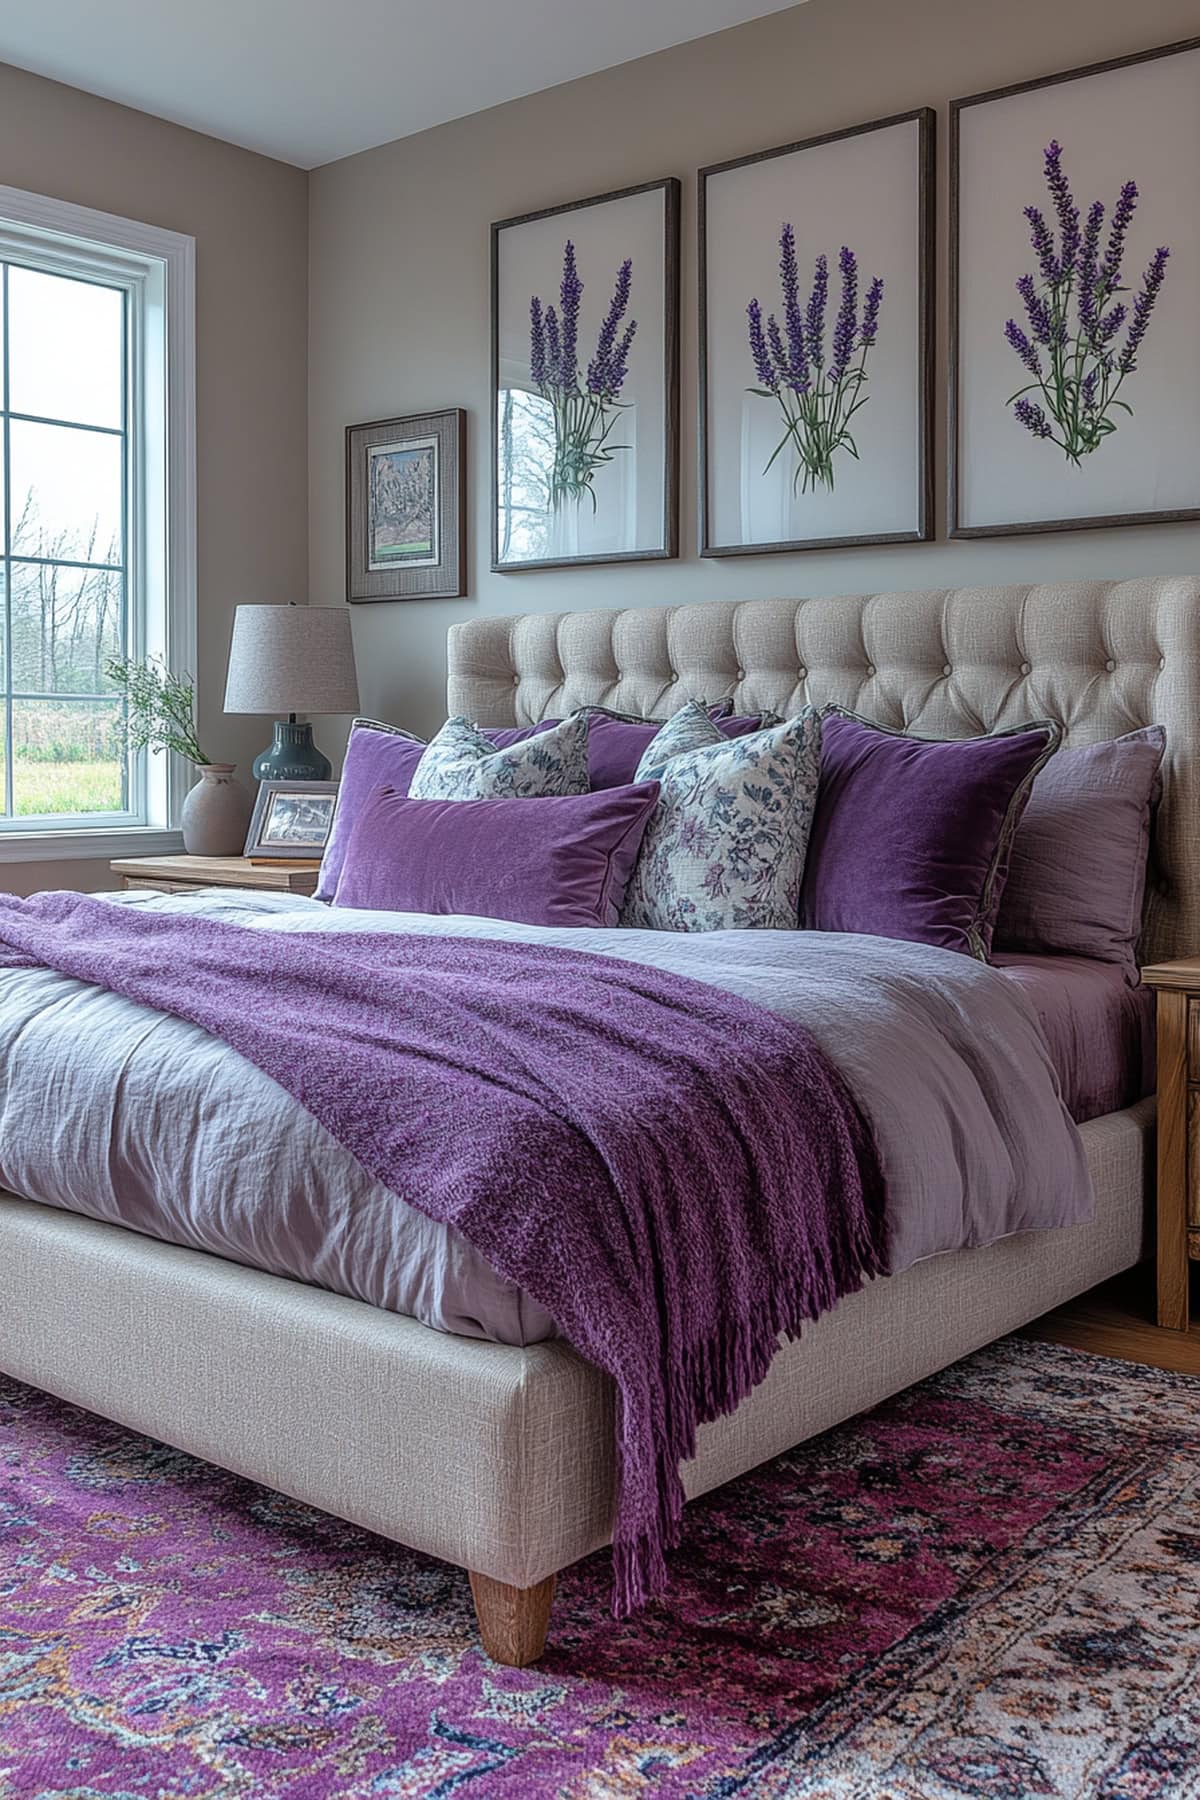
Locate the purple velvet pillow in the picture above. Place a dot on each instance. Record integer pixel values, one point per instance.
(911, 835)
(562, 860)
(380, 755)
(377, 755)
(616, 746)
(1077, 874)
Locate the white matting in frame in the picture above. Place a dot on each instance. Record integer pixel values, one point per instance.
(1075, 298)
(816, 342)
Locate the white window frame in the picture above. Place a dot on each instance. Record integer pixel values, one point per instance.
(158, 268)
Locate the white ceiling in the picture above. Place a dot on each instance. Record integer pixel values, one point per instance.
(312, 80)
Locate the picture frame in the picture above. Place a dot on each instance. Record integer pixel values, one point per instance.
(291, 821)
(406, 508)
(797, 453)
(1039, 439)
(585, 381)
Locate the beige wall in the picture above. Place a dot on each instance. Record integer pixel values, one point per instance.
(398, 298)
(249, 218)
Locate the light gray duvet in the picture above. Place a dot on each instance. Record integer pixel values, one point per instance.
(131, 1116)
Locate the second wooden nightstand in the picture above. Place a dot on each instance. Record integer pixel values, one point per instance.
(184, 874)
(1178, 988)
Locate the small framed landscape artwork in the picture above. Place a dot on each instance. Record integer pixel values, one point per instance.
(292, 820)
(406, 508)
(1075, 295)
(585, 381)
(816, 342)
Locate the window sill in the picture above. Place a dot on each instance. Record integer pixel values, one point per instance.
(89, 844)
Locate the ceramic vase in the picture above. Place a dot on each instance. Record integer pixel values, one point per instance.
(216, 813)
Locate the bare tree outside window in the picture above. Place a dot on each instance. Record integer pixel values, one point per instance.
(62, 575)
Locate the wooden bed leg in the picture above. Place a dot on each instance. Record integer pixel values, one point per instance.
(512, 1621)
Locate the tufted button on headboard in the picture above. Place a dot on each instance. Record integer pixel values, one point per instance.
(1103, 657)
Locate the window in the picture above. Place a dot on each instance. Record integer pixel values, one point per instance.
(526, 423)
(97, 514)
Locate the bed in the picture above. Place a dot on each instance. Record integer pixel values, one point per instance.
(498, 1457)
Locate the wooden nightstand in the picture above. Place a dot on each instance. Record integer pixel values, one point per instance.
(1178, 987)
(184, 874)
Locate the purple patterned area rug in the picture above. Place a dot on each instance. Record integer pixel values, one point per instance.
(988, 1587)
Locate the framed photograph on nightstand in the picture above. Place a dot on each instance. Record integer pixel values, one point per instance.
(292, 820)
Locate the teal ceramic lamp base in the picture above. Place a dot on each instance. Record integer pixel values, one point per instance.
(292, 756)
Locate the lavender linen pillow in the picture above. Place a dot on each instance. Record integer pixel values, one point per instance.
(1077, 873)
(565, 861)
(911, 836)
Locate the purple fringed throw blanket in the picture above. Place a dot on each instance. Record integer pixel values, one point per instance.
(675, 1175)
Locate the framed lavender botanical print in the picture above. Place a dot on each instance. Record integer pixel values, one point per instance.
(585, 381)
(1075, 294)
(816, 342)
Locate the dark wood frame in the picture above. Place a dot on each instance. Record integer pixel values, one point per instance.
(926, 119)
(1100, 521)
(671, 191)
(448, 579)
(286, 852)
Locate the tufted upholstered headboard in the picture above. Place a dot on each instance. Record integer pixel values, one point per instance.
(1104, 657)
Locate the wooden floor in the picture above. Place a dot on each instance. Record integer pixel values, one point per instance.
(1118, 1320)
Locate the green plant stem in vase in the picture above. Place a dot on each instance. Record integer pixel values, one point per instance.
(160, 714)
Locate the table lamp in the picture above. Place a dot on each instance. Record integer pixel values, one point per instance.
(290, 659)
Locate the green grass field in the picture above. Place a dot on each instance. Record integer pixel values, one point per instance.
(394, 552)
(65, 787)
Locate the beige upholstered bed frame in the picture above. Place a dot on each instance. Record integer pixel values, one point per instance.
(500, 1459)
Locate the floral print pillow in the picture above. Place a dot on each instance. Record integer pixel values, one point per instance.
(725, 846)
(691, 728)
(460, 763)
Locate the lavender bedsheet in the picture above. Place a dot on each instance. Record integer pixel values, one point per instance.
(131, 1116)
(1099, 1030)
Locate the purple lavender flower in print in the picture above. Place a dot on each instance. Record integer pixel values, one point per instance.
(584, 412)
(818, 395)
(845, 329)
(570, 294)
(814, 322)
(1090, 285)
(763, 368)
(537, 343)
(779, 356)
(1037, 312)
(714, 882)
(1064, 205)
(789, 281)
(870, 318)
(1043, 245)
(553, 347)
(1118, 231)
(619, 366)
(1024, 349)
(1143, 306)
(1108, 327)
(1033, 418)
(1071, 348)
(599, 375)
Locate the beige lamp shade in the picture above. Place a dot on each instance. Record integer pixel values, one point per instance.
(291, 659)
